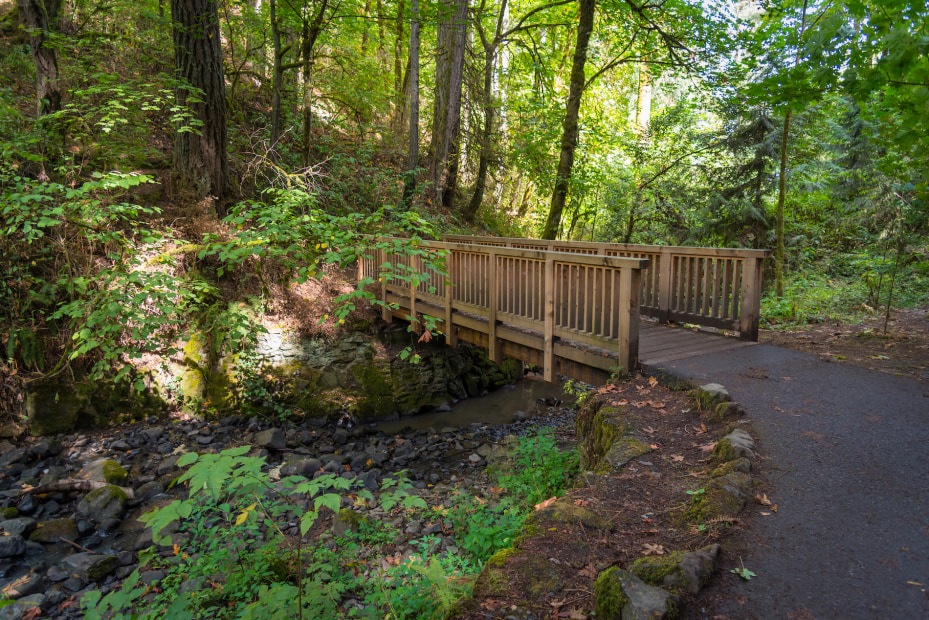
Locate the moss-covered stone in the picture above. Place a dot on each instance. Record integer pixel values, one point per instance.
(500, 558)
(610, 596)
(599, 427)
(622, 451)
(113, 473)
(53, 409)
(491, 581)
(725, 496)
(737, 465)
(103, 503)
(654, 569)
(9, 513)
(347, 520)
(50, 531)
(377, 396)
(566, 511)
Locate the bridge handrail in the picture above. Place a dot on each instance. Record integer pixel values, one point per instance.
(715, 287)
(589, 299)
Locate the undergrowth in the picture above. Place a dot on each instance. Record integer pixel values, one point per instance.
(244, 545)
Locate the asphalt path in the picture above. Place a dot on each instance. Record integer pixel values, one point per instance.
(846, 452)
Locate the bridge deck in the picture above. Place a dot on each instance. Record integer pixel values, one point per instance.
(659, 344)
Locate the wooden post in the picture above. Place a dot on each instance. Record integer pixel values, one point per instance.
(630, 281)
(548, 316)
(451, 332)
(493, 346)
(664, 286)
(386, 314)
(750, 302)
(416, 265)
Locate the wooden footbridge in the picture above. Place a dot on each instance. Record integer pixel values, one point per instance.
(572, 308)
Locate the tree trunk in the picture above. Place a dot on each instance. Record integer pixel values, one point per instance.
(278, 83)
(490, 53)
(200, 158)
(570, 130)
(399, 86)
(310, 34)
(643, 115)
(409, 186)
(446, 125)
(781, 197)
(41, 17)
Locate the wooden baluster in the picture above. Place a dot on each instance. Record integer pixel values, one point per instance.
(548, 354)
(492, 284)
(664, 286)
(451, 331)
(750, 303)
(628, 340)
(386, 314)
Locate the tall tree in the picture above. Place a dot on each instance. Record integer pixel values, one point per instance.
(409, 186)
(449, 77)
(200, 156)
(39, 17)
(310, 34)
(585, 26)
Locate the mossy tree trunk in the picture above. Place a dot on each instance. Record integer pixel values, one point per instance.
(39, 17)
(200, 157)
(572, 113)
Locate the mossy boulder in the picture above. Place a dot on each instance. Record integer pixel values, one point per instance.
(103, 503)
(89, 566)
(53, 409)
(710, 395)
(726, 411)
(735, 445)
(347, 520)
(50, 531)
(623, 596)
(535, 573)
(724, 496)
(688, 571)
(104, 470)
(566, 511)
(738, 465)
(606, 440)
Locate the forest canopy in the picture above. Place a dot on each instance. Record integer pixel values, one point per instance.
(154, 152)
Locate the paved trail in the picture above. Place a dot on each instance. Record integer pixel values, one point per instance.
(847, 451)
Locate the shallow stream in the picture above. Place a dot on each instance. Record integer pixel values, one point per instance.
(495, 408)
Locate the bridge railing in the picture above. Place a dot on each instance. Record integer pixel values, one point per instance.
(556, 298)
(715, 287)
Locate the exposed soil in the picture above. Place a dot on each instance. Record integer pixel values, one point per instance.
(641, 505)
(903, 350)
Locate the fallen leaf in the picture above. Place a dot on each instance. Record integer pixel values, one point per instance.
(698, 474)
(651, 549)
(677, 458)
(655, 446)
(914, 583)
(776, 408)
(652, 531)
(426, 337)
(787, 378)
(588, 571)
(622, 403)
(707, 446)
(765, 514)
(652, 381)
(702, 427)
(492, 605)
(762, 499)
(32, 614)
(557, 604)
(583, 502)
(774, 508)
(546, 503)
(658, 405)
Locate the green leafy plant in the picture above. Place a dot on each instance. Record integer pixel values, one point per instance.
(743, 572)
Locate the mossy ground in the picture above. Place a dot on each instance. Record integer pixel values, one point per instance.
(612, 519)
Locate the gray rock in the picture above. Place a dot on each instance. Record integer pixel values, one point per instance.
(167, 466)
(11, 546)
(149, 490)
(101, 504)
(104, 470)
(300, 467)
(47, 447)
(272, 438)
(31, 583)
(152, 577)
(474, 458)
(519, 416)
(121, 444)
(697, 568)
(50, 531)
(712, 394)
(89, 567)
(641, 601)
(736, 444)
(414, 528)
(23, 605)
(21, 526)
(56, 574)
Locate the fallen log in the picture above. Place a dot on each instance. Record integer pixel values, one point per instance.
(72, 485)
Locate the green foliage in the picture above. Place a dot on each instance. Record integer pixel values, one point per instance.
(538, 469)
